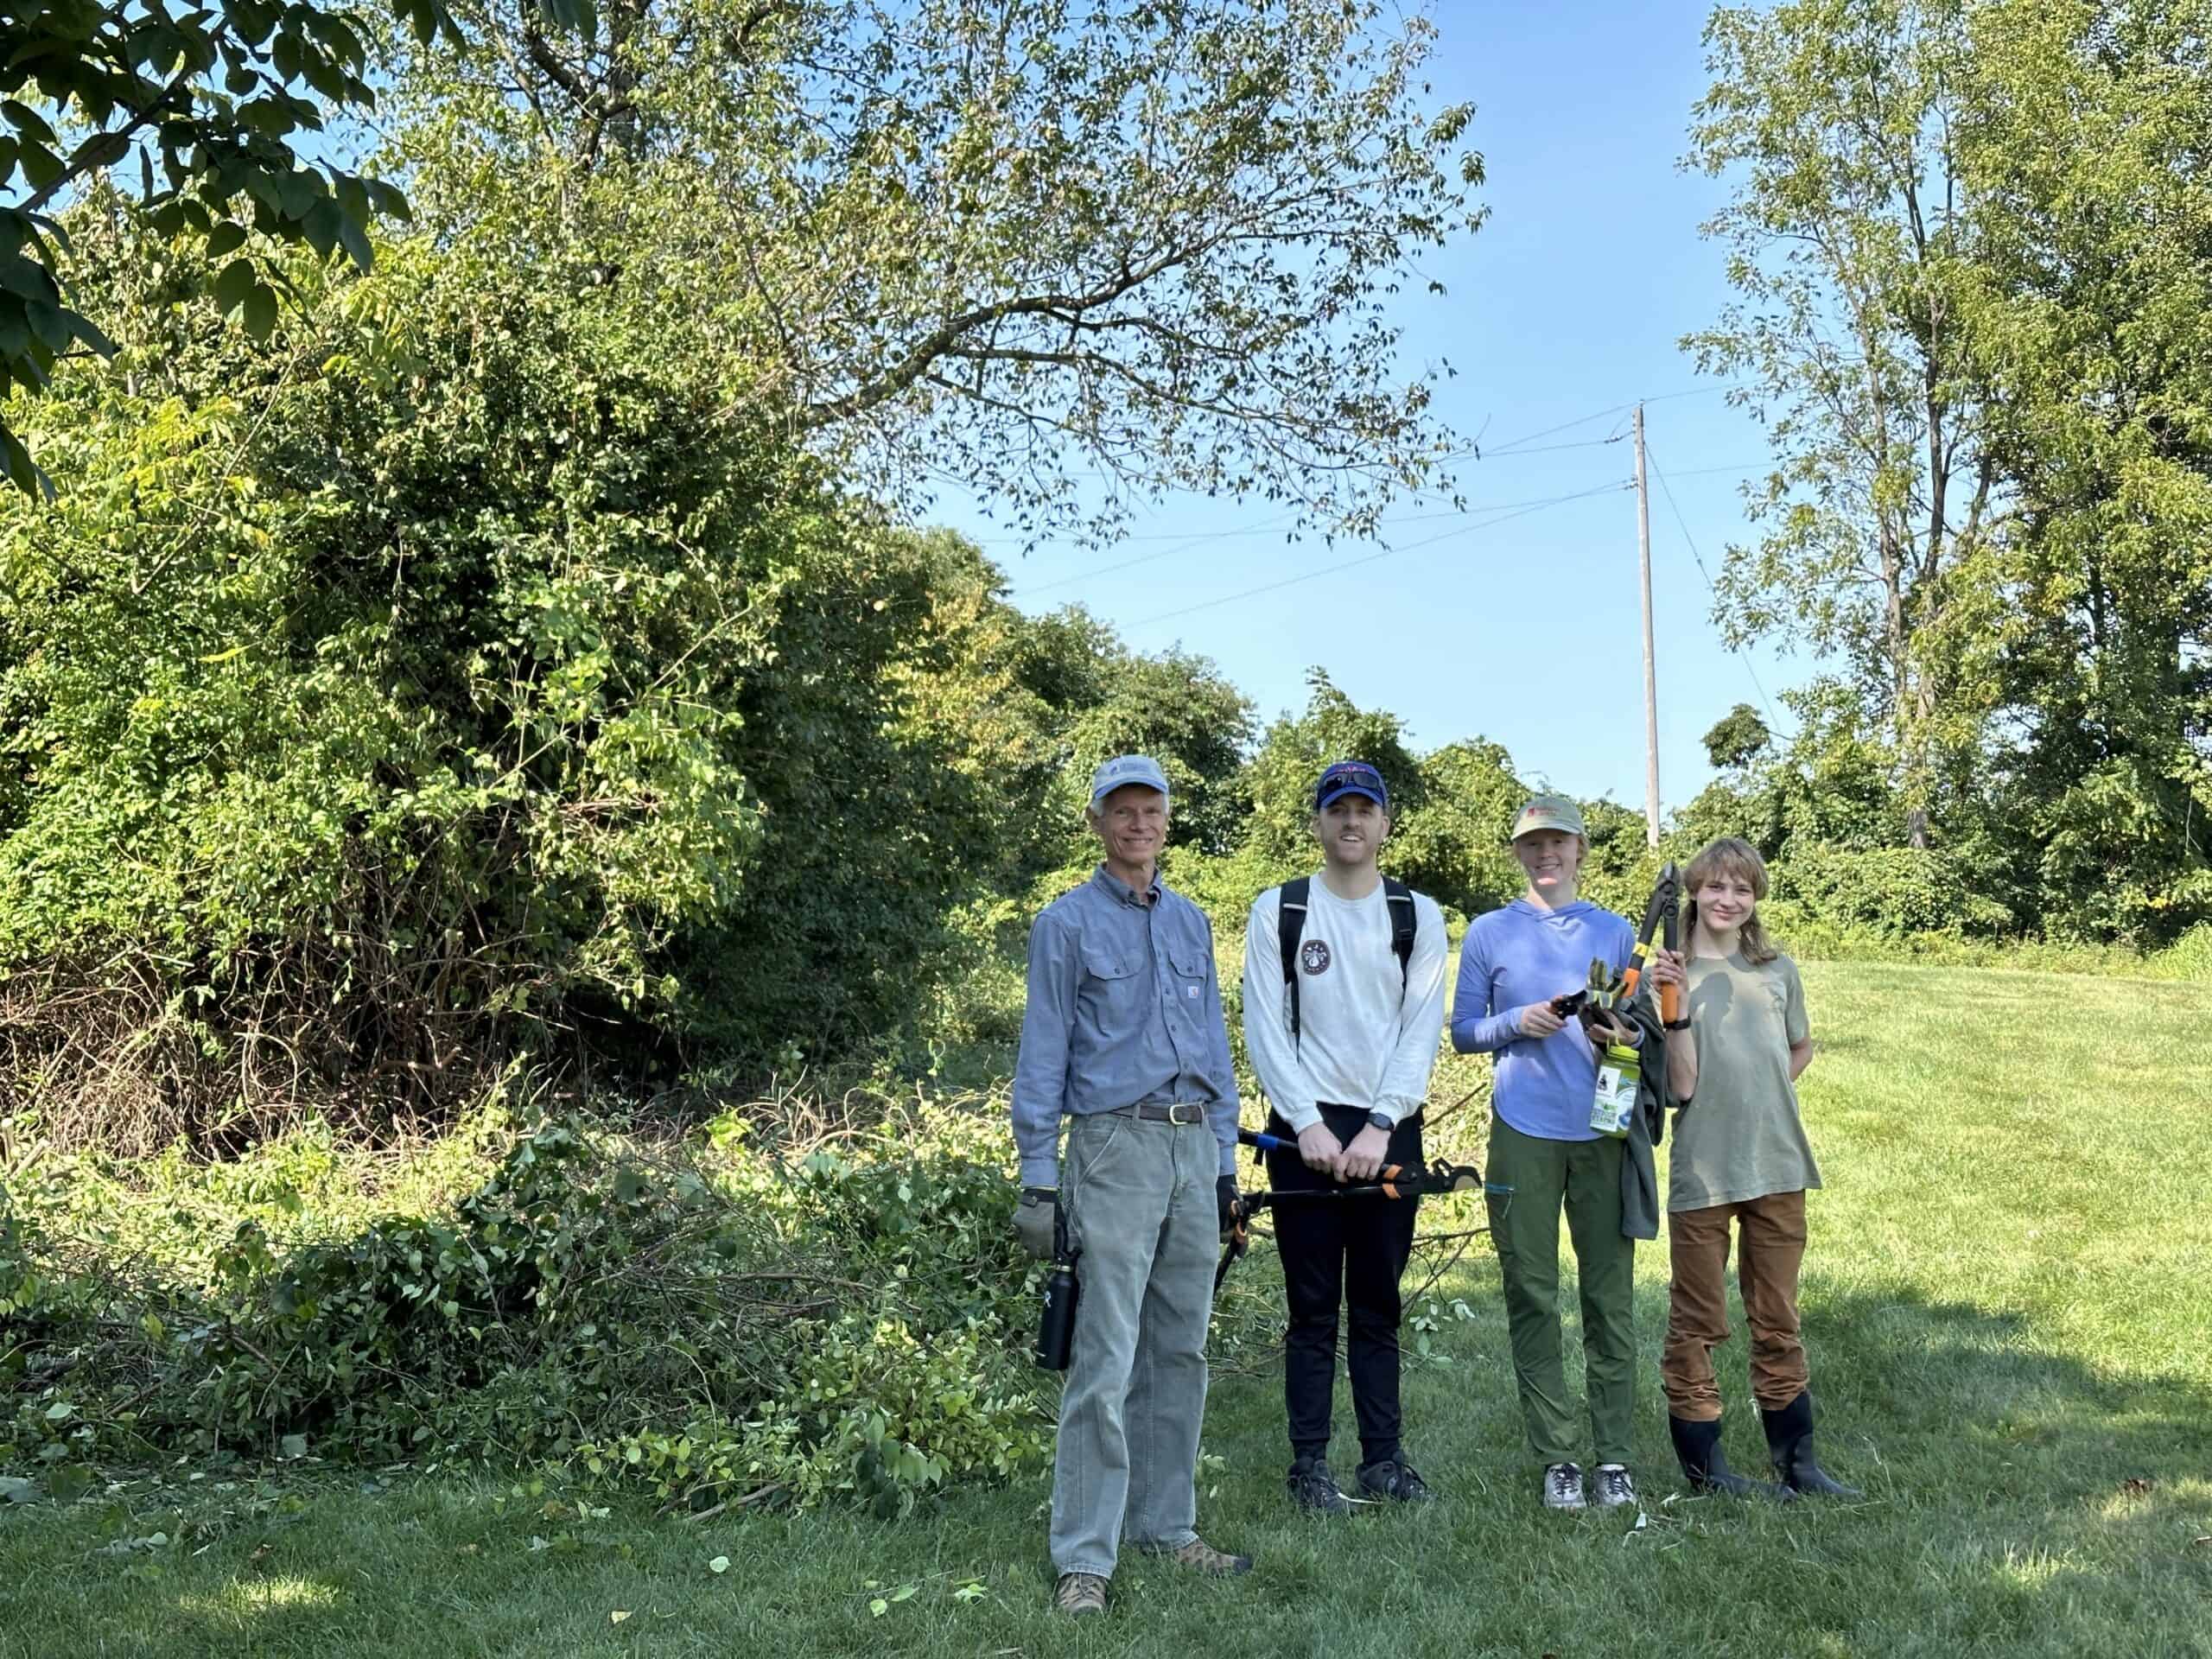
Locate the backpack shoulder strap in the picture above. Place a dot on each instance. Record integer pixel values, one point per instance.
(1403, 922)
(1290, 928)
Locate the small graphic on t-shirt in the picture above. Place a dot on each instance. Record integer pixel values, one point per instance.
(1313, 956)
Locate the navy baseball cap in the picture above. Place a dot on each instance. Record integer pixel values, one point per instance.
(1351, 777)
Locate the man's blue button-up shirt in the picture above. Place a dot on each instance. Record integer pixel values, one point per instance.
(1124, 1010)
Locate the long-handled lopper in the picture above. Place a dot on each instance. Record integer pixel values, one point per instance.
(1392, 1181)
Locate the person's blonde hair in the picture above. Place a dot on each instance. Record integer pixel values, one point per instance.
(1731, 856)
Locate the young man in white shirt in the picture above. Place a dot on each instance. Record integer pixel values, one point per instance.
(1343, 1028)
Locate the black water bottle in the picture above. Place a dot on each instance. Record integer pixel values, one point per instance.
(1056, 1329)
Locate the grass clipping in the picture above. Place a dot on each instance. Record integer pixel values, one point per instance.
(785, 1304)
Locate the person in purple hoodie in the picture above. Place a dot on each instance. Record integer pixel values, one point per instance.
(1544, 1156)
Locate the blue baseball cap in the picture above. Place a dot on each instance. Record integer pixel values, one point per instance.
(1127, 769)
(1351, 777)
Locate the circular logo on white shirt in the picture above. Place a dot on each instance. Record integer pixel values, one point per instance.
(1313, 956)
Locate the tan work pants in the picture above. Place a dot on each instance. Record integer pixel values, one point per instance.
(1772, 1231)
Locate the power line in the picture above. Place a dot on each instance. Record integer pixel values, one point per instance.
(1546, 448)
(1682, 524)
(1579, 420)
(1387, 552)
(1742, 469)
(1584, 420)
(1276, 524)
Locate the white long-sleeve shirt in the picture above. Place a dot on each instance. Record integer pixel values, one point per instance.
(1368, 1038)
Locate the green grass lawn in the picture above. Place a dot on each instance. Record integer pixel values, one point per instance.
(2004, 1302)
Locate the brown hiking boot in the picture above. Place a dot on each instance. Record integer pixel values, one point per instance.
(1202, 1557)
(1079, 1593)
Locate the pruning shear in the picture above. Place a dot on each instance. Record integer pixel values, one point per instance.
(1392, 1181)
(1662, 921)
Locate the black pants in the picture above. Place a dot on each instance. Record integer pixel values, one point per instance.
(1351, 1251)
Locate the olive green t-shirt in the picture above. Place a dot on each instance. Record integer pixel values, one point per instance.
(1740, 1137)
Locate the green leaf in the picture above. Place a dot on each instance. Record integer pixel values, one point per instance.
(356, 241)
(26, 474)
(252, 19)
(226, 237)
(89, 333)
(261, 312)
(41, 165)
(29, 278)
(234, 283)
(577, 17)
(322, 226)
(293, 1446)
(298, 191)
(51, 324)
(27, 121)
(387, 199)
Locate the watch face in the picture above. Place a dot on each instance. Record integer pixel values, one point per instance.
(1376, 1120)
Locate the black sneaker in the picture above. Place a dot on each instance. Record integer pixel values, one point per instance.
(1614, 1487)
(1393, 1479)
(1313, 1487)
(1563, 1486)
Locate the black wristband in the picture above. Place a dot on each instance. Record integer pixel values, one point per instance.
(1676, 1025)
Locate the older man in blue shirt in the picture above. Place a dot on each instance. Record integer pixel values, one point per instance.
(1123, 1035)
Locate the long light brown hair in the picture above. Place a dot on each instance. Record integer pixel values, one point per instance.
(1729, 856)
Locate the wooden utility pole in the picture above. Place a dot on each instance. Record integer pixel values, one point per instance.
(1650, 665)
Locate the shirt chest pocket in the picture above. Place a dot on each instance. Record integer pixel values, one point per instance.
(1189, 962)
(1109, 978)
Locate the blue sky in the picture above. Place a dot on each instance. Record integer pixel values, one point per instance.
(1570, 301)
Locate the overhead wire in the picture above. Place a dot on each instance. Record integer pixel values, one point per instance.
(1277, 523)
(1522, 512)
(1682, 524)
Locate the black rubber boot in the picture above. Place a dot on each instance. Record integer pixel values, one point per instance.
(1698, 1445)
(1790, 1443)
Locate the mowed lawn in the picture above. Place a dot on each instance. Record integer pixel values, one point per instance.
(2006, 1304)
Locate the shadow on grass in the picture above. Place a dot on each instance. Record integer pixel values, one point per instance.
(2025, 1491)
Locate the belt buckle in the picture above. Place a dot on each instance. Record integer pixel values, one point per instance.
(1186, 1112)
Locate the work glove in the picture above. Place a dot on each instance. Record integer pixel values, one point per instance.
(1034, 1217)
(1224, 1204)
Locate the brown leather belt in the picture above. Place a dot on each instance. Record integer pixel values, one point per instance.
(1181, 1111)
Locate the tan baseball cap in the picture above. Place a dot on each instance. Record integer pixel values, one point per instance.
(1549, 812)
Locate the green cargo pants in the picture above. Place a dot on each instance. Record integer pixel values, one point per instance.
(1528, 1179)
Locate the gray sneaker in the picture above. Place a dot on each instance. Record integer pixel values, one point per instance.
(1563, 1486)
(1614, 1487)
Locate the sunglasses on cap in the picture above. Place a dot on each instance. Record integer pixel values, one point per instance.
(1349, 775)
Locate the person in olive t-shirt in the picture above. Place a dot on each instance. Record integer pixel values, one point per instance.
(1741, 1155)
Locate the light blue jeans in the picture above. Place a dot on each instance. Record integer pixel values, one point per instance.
(1141, 1206)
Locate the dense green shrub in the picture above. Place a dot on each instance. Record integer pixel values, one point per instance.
(459, 677)
(1889, 890)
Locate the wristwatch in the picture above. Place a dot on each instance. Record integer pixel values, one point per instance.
(1381, 1120)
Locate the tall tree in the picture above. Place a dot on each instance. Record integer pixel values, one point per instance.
(1001, 243)
(2093, 210)
(1838, 120)
(205, 110)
